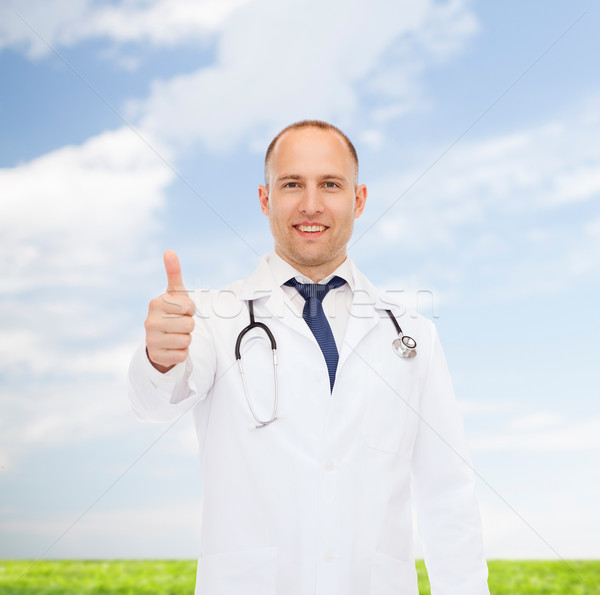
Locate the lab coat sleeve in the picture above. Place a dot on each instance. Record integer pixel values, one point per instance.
(155, 396)
(448, 517)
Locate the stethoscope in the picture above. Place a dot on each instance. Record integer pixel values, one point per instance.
(403, 345)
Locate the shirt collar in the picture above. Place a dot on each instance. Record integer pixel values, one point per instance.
(282, 271)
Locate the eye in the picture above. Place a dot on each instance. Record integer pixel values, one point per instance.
(291, 185)
(331, 185)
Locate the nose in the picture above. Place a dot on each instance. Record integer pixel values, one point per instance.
(312, 202)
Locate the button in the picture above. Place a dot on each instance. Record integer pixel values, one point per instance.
(328, 557)
(329, 466)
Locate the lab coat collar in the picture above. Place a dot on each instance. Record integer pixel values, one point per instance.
(365, 292)
(261, 283)
(262, 287)
(367, 305)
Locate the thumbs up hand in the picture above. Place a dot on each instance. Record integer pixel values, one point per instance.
(170, 320)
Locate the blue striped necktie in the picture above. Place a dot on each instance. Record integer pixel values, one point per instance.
(317, 322)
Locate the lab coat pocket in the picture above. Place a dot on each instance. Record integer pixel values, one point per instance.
(390, 417)
(391, 576)
(244, 573)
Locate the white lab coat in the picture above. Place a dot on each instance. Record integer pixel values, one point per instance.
(319, 502)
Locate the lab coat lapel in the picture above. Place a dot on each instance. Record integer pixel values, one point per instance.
(271, 302)
(364, 314)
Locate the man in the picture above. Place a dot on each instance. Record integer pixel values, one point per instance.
(308, 471)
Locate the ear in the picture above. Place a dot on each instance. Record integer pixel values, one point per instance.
(360, 200)
(263, 198)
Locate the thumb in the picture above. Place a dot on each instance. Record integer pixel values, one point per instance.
(173, 269)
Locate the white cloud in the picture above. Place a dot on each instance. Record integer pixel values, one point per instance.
(525, 172)
(527, 435)
(68, 217)
(508, 211)
(42, 353)
(55, 413)
(279, 62)
(167, 531)
(275, 61)
(535, 421)
(163, 22)
(78, 218)
(31, 25)
(561, 523)
(34, 26)
(373, 138)
(492, 408)
(186, 513)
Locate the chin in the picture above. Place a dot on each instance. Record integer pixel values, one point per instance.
(307, 258)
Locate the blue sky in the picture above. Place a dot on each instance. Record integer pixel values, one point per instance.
(135, 126)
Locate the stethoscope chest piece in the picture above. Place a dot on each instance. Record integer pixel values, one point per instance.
(405, 346)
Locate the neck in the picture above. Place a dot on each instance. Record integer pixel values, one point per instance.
(316, 272)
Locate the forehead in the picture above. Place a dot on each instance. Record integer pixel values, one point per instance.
(311, 150)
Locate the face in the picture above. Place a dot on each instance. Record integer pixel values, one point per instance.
(312, 200)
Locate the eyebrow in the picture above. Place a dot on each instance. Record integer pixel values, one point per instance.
(323, 177)
(333, 177)
(289, 177)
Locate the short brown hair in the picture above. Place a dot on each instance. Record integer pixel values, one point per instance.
(310, 124)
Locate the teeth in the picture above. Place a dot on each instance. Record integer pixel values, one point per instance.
(311, 228)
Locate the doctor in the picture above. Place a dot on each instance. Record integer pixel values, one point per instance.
(319, 501)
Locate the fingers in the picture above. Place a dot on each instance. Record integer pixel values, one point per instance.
(173, 270)
(164, 322)
(157, 345)
(167, 348)
(175, 305)
(164, 359)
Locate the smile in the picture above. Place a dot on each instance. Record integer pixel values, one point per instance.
(310, 228)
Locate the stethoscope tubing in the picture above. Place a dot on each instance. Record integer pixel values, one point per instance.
(403, 345)
(238, 356)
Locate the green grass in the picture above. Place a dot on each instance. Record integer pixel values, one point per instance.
(97, 577)
(174, 577)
